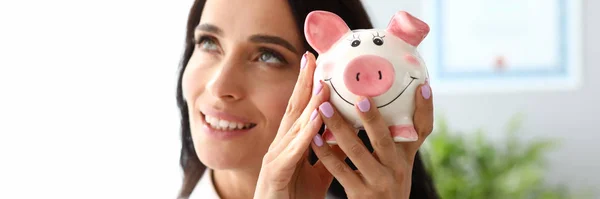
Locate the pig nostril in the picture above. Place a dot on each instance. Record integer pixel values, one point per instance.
(379, 74)
(357, 74)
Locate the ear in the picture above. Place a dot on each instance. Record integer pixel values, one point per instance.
(323, 29)
(408, 28)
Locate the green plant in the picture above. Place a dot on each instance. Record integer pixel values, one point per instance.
(466, 166)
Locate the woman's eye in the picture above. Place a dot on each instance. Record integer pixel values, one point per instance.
(271, 57)
(207, 44)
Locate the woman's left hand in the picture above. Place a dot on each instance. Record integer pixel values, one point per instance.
(388, 172)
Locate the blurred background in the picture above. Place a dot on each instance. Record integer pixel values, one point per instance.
(87, 108)
(552, 130)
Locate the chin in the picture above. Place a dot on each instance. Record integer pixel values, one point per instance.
(229, 154)
(228, 160)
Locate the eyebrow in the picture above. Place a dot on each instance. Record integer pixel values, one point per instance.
(273, 40)
(210, 28)
(254, 38)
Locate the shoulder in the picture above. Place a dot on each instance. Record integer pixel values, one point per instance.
(205, 189)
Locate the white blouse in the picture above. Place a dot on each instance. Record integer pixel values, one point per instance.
(205, 189)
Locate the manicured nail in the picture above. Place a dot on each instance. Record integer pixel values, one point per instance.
(326, 109)
(364, 105)
(313, 115)
(426, 90)
(303, 61)
(317, 88)
(318, 140)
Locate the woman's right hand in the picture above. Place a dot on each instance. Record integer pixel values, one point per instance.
(286, 171)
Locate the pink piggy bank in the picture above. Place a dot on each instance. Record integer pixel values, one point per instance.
(379, 63)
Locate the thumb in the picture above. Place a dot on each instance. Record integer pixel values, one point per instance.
(423, 115)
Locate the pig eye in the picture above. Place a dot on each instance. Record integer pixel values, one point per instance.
(355, 43)
(378, 40)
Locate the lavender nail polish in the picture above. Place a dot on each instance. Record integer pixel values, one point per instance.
(364, 105)
(317, 88)
(318, 140)
(313, 115)
(303, 61)
(326, 109)
(426, 91)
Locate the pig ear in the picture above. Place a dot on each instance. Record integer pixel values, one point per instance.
(408, 28)
(323, 29)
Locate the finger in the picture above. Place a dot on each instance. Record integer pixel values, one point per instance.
(423, 116)
(377, 130)
(329, 138)
(330, 160)
(300, 96)
(348, 141)
(295, 150)
(339, 153)
(321, 94)
(319, 167)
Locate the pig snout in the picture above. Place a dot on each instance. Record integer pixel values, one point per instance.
(369, 75)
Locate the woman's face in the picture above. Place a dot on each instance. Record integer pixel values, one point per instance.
(239, 79)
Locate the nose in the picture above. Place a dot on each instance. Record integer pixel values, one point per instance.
(369, 75)
(225, 82)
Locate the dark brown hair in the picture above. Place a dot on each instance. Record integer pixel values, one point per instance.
(355, 15)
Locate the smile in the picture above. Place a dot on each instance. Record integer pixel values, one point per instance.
(380, 106)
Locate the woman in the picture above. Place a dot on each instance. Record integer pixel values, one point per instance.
(249, 114)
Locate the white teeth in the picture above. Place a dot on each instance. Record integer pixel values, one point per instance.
(219, 124)
(232, 125)
(223, 123)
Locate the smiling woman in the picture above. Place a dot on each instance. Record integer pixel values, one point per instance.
(243, 83)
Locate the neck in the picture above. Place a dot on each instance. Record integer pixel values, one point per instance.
(235, 184)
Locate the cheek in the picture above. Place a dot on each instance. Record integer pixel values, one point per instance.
(274, 102)
(193, 79)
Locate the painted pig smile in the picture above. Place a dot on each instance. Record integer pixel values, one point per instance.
(378, 106)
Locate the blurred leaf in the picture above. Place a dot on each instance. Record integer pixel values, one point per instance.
(468, 165)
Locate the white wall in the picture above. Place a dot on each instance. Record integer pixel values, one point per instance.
(87, 98)
(573, 115)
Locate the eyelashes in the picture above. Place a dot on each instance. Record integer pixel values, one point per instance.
(206, 42)
(356, 41)
(378, 40)
(267, 55)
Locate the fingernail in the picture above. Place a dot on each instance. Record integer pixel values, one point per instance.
(318, 140)
(326, 109)
(364, 105)
(313, 115)
(318, 87)
(303, 61)
(426, 90)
